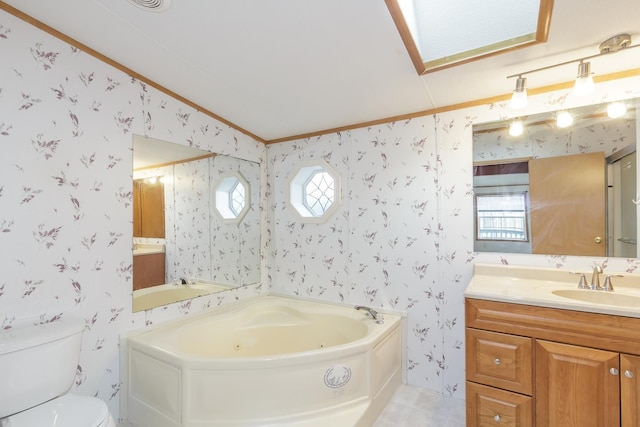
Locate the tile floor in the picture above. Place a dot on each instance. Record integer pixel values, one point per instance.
(416, 407)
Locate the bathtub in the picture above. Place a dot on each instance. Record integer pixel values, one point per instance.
(269, 361)
(154, 296)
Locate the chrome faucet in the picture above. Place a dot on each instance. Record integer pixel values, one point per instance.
(374, 314)
(595, 278)
(608, 286)
(583, 281)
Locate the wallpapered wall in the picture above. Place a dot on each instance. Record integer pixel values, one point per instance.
(402, 238)
(66, 125)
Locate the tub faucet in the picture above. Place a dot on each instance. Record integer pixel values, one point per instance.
(374, 314)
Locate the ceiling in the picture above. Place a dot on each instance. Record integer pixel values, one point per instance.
(152, 153)
(282, 68)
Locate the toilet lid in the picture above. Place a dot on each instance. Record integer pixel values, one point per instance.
(66, 411)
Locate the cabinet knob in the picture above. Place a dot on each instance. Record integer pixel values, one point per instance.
(614, 371)
(497, 418)
(628, 374)
(497, 363)
(598, 239)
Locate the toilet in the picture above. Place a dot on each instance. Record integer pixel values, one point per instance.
(37, 368)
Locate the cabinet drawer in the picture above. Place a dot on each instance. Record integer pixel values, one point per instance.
(499, 360)
(491, 407)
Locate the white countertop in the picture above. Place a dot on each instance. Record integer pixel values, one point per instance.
(535, 286)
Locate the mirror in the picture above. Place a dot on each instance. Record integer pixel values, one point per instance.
(201, 252)
(541, 188)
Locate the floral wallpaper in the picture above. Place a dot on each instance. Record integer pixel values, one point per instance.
(401, 238)
(66, 125)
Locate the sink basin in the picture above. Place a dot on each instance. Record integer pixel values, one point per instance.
(599, 297)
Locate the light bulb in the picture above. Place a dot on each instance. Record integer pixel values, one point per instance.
(516, 128)
(564, 119)
(584, 83)
(519, 98)
(616, 109)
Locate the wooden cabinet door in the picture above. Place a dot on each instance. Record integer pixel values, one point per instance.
(576, 386)
(152, 202)
(630, 390)
(567, 197)
(148, 209)
(148, 270)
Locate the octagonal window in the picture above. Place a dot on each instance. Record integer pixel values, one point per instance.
(232, 198)
(314, 191)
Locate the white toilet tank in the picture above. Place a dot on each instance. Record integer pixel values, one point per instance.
(37, 363)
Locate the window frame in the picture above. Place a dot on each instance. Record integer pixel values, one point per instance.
(525, 217)
(223, 196)
(540, 36)
(296, 191)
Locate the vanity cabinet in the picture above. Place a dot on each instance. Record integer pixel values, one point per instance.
(545, 367)
(148, 270)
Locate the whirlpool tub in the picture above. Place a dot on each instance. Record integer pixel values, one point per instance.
(270, 361)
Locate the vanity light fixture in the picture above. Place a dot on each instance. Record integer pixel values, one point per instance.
(564, 119)
(584, 84)
(519, 98)
(616, 109)
(516, 128)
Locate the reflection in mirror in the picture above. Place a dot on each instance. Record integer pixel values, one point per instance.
(232, 197)
(148, 207)
(201, 252)
(562, 184)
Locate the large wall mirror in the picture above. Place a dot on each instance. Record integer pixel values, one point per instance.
(182, 246)
(560, 183)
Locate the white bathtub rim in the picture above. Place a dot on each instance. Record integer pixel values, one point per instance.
(257, 363)
(376, 333)
(249, 301)
(194, 315)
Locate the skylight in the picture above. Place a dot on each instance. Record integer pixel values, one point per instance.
(441, 33)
